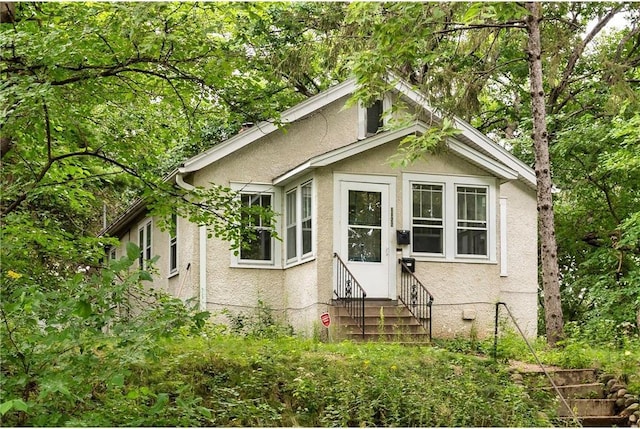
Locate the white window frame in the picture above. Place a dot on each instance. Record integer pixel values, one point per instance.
(442, 227)
(275, 193)
(450, 185)
(300, 256)
(458, 221)
(173, 244)
(145, 242)
(362, 116)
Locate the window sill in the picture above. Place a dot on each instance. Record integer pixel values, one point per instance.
(300, 262)
(458, 260)
(256, 265)
(173, 274)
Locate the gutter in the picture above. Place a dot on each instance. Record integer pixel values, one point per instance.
(202, 242)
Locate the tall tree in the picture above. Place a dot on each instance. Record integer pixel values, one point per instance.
(548, 247)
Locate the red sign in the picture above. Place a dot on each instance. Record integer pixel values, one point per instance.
(325, 319)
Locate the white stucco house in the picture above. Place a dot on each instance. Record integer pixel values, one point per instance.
(464, 220)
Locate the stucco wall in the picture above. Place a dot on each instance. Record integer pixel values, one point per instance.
(519, 289)
(173, 283)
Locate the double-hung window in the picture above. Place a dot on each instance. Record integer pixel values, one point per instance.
(144, 243)
(427, 222)
(451, 218)
(299, 222)
(173, 245)
(471, 222)
(257, 246)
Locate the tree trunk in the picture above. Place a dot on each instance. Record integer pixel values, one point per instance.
(7, 12)
(548, 246)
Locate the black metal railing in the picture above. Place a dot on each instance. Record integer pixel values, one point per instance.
(415, 296)
(349, 293)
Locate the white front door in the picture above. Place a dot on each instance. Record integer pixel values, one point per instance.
(364, 233)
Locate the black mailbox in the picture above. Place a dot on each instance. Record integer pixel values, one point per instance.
(409, 263)
(403, 236)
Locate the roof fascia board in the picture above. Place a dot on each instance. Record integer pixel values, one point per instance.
(469, 132)
(266, 127)
(497, 168)
(125, 218)
(483, 161)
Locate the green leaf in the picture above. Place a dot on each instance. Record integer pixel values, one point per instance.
(6, 406)
(161, 401)
(20, 405)
(118, 380)
(83, 309)
(133, 251)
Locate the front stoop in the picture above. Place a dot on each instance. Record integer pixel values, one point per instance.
(384, 320)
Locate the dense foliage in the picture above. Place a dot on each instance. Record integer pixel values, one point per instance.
(101, 100)
(221, 380)
(66, 340)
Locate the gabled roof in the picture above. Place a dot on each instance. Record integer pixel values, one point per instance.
(477, 143)
(475, 157)
(470, 144)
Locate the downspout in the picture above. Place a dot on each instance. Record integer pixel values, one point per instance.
(202, 241)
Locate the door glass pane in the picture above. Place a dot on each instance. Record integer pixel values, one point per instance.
(365, 208)
(365, 244)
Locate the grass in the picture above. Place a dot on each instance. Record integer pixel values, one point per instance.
(222, 380)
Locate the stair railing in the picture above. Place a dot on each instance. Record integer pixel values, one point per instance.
(415, 297)
(349, 293)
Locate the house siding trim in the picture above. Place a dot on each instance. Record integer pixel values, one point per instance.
(483, 142)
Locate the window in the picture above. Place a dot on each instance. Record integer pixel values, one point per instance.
(371, 119)
(298, 219)
(144, 242)
(471, 222)
(374, 117)
(112, 254)
(258, 247)
(451, 218)
(427, 221)
(173, 245)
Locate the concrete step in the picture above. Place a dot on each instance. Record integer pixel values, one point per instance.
(583, 391)
(404, 338)
(571, 377)
(384, 320)
(375, 321)
(588, 408)
(564, 377)
(603, 421)
(389, 311)
(384, 329)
